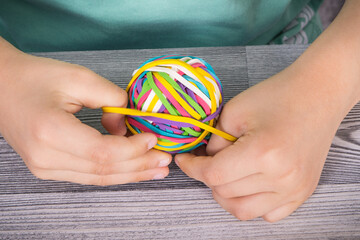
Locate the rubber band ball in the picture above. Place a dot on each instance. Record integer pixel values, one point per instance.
(185, 87)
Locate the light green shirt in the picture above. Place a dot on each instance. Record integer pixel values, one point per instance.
(60, 25)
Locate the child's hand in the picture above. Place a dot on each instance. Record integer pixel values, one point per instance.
(38, 97)
(286, 125)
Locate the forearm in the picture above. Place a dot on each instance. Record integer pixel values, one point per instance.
(7, 52)
(10, 60)
(331, 65)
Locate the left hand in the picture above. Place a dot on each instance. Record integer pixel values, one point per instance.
(285, 127)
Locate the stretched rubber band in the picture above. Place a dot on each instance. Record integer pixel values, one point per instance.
(178, 119)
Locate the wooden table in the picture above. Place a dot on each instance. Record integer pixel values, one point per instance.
(178, 207)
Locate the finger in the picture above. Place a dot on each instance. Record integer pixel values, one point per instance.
(114, 123)
(66, 133)
(281, 212)
(230, 121)
(93, 91)
(250, 207)
(228, 165)
(101, 180)
(217, 143)
(56, 160)
(256, 183)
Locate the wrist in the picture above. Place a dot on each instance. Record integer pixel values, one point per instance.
(8, 52)
(9, 62)
(10, 68)
(329, 70)
(325, 85)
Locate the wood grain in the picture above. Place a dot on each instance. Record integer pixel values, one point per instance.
(178, 207)
(188, 214)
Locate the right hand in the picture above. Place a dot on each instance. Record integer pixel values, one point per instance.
(38, 97)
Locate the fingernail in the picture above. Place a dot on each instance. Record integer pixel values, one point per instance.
(152, 143)
(177, 159)
(158, 176)
(164, 163)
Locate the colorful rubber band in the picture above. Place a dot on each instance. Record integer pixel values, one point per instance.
(178, 99)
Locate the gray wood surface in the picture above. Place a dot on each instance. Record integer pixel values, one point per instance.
(178, 207)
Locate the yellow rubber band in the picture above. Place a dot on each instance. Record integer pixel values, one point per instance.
(134, 112)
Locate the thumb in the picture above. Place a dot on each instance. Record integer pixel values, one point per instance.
(192, 165)
(114, 123)
(232, 120)
(217, 143)
(93, 91)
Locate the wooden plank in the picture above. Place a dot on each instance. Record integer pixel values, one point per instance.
(263, 62)
(188, 214)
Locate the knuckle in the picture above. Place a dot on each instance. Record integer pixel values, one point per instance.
(37, 162)
(40, 130)
(224, 192)
(292, 174)
(99, 180)
(101, 169)
(100, 154)
(303, 189)
(228, 111)
(121, 95)
(271, 158)
(144, 166)
(131, 148)
(39, 174)
(213, 177)
(270, 219)
(80, 73)
(31, 159)
(140, 178)
(34, 160)
(84, 75)
(244, 213)
(225, 121)
(291, 180)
